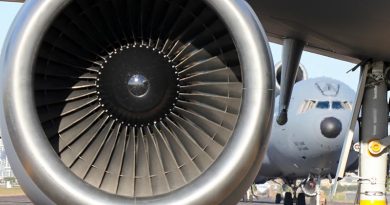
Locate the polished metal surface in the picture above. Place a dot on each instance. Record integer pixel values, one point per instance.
(35, 142)
(138, 85)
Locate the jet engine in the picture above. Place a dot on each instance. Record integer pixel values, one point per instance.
(309, 187)
(136, 101)
(301, 75)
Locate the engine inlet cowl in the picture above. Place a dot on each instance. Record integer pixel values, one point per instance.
(147, 102)
(301, 75)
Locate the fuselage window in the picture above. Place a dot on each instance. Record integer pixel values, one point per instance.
(323, 105)
(337, 105)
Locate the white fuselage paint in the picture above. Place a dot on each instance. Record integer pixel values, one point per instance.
(298, 148)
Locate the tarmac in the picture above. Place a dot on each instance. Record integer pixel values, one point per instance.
(23, 200)
(15, 200)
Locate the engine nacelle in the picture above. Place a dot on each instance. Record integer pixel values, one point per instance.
(309, 188)
(136, 101)
(301, 75)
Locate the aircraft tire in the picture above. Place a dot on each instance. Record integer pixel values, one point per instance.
(288, 200)
(278, 198)
(301, 199)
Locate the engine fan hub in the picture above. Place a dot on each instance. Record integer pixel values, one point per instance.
(138, 85)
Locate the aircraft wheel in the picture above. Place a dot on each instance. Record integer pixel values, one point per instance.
(301, 199)
(278, 198)
(288, 199)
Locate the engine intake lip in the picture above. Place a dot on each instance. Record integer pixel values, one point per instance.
(47, 180)
(301, 75)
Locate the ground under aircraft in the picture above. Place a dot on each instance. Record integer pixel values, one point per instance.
(307, 148)
(171, 101)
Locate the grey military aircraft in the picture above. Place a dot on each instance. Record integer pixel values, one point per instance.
(307, 148)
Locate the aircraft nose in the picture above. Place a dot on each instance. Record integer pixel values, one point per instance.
(331, 127)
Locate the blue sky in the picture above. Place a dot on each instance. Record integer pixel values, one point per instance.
(7, 14)
(316, 65)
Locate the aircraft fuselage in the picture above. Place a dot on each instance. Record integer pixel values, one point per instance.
(312, 139)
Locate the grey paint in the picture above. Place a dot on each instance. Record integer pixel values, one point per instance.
(348, 30)
(374, 114)
(298, 148)
(292, 51)
(355, 114)
(340, 29)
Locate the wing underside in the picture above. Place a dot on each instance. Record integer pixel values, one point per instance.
(347, 30)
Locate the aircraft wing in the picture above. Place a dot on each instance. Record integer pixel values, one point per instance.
(347, 30)
(339, 29)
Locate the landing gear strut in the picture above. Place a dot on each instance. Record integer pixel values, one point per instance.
(318, 191)
(372, 99)
(375, 111)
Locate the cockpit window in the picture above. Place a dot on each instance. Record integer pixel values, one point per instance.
(347, 105)
(337, 105)
(307, 105)
(323, 105)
